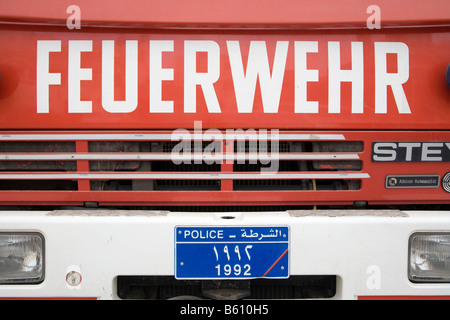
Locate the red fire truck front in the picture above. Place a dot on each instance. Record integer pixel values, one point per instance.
(221, 149)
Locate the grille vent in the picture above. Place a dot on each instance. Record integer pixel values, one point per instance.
(152, 162)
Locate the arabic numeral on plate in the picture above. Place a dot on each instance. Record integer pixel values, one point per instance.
(236, 249)
(231, 255)
(225, 250)
(228, 270)
(247, 251)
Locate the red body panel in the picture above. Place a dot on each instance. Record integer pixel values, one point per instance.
(230, 13)
(294, 66)
(425, 89)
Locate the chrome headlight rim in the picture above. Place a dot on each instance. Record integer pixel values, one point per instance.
(420, 276)
(33, 280)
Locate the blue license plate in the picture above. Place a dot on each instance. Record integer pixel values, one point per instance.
(204, 252)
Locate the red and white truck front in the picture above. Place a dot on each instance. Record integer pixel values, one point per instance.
(221, 149)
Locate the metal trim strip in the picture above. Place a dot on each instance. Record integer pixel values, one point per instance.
(170, 156)
(179, 176)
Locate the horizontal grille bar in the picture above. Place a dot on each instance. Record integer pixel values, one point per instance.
(179, 176)
(168, 137)
(175, 157)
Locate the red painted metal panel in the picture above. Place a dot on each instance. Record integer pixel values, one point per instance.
(229, 13)
(398, 79)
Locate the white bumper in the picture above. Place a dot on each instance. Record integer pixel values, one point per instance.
(367, 251)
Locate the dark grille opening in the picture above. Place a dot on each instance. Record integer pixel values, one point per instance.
(155, 185)
(265, 146)
(187, 185)
(112, 185)
(116, 146)
(292, 166)
(337, 165)
(32, 185)
(162, 288)
(186, 146)
(47, 166)
(255, 185)
(305, 185)
(37, 146)
(104, 166)
(336, 146)
(283, 166)
(169, 166)
(298, 146)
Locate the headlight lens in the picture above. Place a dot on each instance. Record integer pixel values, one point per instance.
(429, 257)
(21, 258)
